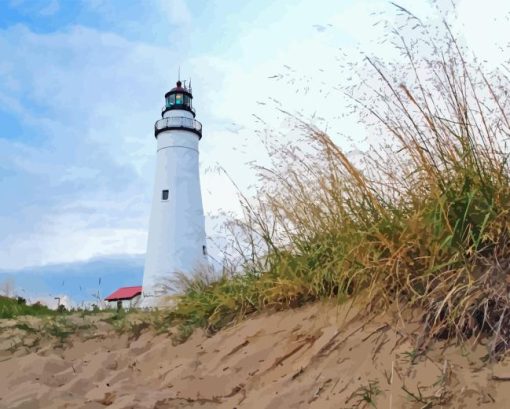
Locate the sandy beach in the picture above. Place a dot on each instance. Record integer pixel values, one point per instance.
(318, 356)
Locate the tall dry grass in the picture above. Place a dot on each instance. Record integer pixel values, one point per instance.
(422, 221)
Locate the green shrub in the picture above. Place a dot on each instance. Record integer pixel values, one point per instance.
(11, 308)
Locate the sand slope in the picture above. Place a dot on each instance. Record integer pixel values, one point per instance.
(318, 356)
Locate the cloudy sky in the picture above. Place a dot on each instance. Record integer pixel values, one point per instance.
(82, 82)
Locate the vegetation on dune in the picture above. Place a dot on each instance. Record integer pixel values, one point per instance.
(420, 221)
(14, 307)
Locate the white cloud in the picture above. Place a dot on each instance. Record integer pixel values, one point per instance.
(92, 142)
(176, 11)
(84, 182)
(485, 29)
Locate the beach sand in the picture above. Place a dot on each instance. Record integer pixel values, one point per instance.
(317, 356)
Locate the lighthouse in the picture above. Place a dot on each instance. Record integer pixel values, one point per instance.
(176, 242)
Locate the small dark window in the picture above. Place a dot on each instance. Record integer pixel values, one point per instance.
(164, 195)
(204, 250)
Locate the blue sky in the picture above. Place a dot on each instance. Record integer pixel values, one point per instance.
(82, 82)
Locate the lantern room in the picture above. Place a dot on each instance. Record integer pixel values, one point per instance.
(179, 98)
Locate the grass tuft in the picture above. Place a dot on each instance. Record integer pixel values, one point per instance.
(419, 221)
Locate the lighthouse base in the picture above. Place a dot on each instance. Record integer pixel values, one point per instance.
(156, 301)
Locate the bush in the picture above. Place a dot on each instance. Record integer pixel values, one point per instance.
(11, 308)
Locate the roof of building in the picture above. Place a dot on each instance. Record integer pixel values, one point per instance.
(125, 293)
(179, 88)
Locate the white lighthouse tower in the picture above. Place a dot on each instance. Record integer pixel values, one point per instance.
(176, 242)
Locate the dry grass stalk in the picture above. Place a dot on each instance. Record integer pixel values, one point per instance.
(423, 222)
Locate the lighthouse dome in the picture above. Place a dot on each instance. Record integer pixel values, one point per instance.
(179, 97)
(179, 88)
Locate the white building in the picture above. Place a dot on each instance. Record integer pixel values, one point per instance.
(176, 242)
(125, 298)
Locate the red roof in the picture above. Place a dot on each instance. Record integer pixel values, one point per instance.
(125, 293)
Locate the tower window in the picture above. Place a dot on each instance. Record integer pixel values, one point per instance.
(204, 250)
(164, 195)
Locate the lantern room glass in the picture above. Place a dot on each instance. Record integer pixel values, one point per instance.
(170, 101)
(175, 100)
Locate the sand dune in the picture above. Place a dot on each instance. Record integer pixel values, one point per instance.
(318, 356)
